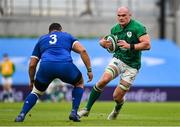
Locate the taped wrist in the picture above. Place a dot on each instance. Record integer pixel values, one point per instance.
(89, 69)
(132, 47)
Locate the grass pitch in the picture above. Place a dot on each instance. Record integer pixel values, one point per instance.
(56, 114)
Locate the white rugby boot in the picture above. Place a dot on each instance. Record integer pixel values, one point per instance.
(83, 112)
(113, 115)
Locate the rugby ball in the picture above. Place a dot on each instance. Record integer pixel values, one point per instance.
(114, 40)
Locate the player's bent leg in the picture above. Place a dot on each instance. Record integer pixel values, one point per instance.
(118, 96)
(30, 101)
(5, 92)
(115, 112)
(95, 93)
(77, 93)
(110, 73)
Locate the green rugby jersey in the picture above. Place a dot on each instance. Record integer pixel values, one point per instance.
(130, 33)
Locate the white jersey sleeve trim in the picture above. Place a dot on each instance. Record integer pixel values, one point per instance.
(74, 43)
(35, 57)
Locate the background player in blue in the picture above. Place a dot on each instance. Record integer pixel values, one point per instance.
(54, 51)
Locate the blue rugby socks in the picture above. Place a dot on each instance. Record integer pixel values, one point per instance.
(29, 102)
(77, 93)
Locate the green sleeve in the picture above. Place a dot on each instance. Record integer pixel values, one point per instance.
(141, 31)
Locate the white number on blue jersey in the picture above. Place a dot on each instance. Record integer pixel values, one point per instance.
(53, 39)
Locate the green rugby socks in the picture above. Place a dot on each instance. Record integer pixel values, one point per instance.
(119, 105)
(94, 95)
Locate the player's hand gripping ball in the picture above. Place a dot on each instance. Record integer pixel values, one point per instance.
(113, 39)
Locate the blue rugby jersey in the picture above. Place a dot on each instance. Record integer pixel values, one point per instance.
(55, 46)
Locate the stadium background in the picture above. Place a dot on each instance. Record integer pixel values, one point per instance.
(158, 80)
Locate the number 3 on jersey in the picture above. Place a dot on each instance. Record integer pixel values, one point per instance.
(53, 39)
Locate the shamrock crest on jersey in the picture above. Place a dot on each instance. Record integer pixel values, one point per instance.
(129, 34)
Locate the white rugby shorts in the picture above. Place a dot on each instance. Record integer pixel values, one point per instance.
(126, 72)
(6, 80)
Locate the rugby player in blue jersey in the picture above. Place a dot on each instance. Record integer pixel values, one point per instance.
(53, 50)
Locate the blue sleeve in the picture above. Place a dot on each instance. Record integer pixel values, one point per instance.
(73, 39)
(36, 52)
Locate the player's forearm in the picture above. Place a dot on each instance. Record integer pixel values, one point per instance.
(142, 46)
(144, 43)
(86, 60)
(32, 70)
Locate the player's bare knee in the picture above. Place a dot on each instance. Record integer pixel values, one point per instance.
(101, 84)
(104, 80)
(80, 83)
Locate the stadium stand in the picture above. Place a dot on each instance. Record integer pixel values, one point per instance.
(20, 14)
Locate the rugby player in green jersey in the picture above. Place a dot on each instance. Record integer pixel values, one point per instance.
(126, 61)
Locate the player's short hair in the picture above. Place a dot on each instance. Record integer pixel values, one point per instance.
(55, 26)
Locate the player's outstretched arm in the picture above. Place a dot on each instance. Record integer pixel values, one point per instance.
(78, 48)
